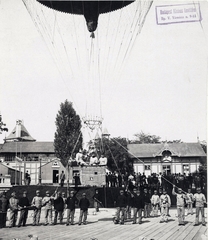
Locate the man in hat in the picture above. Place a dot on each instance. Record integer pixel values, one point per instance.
(23, 206)
(121, 207)
(47, 203)
(71, 203)
(37, 203)
(180, 203)
(4, 205)
(200, 200)
(62, 178)
(97, 201)
(138, 205)
(13, 204)
(84, 205)
(165, 203)
(58, 207)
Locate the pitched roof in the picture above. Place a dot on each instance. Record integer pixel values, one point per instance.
(28, 147)
(177, 149)
(19, 133)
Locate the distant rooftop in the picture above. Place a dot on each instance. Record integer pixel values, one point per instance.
(19, 133)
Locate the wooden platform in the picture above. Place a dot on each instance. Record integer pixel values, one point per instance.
(101, 227)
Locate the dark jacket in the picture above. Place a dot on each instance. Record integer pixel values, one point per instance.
(71, 202)
(138, 202)
(146, 198)
(24, 201)
(4, 204)
(121, 201)
(59, 204)
(84, 204)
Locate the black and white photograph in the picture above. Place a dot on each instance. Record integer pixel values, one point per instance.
(103, 119)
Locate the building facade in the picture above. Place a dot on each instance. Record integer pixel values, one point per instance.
(166, 158)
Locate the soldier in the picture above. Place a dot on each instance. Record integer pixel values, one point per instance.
(180, 202)
(4, 205)
(58, 207)
(138, 205)
(84, 205)
(155, 200)
(147, 203)
(121, 207)
(97, 202)
(37, 203)
(200, 200)
(23, 206)
(13, 204)
(71, 203)
(189, 202)
(164, 205)
(64, 198)
(47, 202)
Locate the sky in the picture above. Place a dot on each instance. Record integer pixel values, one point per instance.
(159, 87)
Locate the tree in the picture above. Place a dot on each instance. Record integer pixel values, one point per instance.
(115, 149)
(2, 126)
(68, 135)
(146, 138)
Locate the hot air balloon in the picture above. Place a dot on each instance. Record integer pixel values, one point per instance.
(90, 69)
(90, 9)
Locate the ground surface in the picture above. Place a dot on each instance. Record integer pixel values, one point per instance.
(101, 227)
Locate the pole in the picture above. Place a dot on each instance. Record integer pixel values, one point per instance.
(24, 169)
(40, 172)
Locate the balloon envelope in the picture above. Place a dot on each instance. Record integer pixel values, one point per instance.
(90, 9)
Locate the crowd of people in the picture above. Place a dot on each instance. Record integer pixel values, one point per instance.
(57, 202)
(156, 181)
(142, 203)
(150, 205)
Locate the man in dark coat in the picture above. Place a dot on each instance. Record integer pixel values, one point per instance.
(4, 205)
(121, 207)
(138, 205)
(147, 203)
(23, 206)
(84, 205)
(71, 203)
(58, 207)
(97, 201)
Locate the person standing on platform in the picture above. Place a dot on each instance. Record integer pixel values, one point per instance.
(155, 201)
(165, 203)
(64, 198)
(97, 202)
(13, 205)
(62, 178)
(58, 207)
(200, 200)
(23, 206)
(47, 203)
(190, 201)
(138, 205)
(180, 203)
(84, 204)
(147, 203)
(37, 203)
(121, 208)
(71, 203)
(4, 205)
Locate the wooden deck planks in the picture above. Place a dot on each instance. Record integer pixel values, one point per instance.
(101, 227)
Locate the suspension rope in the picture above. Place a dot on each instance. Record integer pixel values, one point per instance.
(172, 184)
(128, 150)
(114, 159)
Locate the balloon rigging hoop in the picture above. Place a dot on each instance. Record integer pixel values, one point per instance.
(92, 122)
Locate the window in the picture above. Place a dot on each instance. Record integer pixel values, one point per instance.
(186, 169)
(147, 167)
(95, 173)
